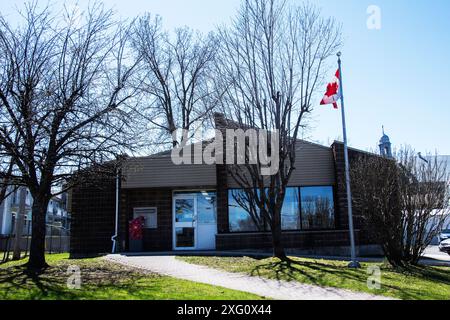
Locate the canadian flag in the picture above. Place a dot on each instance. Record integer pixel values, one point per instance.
(332, 95)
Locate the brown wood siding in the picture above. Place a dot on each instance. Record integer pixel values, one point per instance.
(160, 172)
(314, 166)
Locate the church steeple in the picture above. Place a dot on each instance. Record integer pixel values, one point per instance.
(385, 146)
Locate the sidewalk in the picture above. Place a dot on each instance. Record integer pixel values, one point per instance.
(282, 290)
(432, 256)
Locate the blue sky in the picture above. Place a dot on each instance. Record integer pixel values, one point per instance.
(398, 76)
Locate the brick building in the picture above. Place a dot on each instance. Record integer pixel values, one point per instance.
(194, 207)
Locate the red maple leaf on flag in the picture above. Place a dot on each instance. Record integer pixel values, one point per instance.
(332, 94)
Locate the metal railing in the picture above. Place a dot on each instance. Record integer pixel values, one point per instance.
(57, 240)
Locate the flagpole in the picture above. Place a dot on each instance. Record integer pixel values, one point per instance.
(354, 263)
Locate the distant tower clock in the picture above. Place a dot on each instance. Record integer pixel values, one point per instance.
(385, 146)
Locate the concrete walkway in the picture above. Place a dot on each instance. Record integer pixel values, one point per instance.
(432, 256)
(282, 290)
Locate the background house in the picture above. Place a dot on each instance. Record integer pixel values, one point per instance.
(57, 216)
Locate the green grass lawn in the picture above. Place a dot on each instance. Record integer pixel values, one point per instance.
(419, 283)
(101, 279)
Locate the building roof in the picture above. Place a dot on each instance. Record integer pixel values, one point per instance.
(315, 168)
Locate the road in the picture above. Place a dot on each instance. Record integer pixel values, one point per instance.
(433, 252)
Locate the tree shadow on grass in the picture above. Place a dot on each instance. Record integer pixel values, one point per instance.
(100, 280)
(51, 283)
(317, 273)
(36, 284)
(433, 274)
(291, 270)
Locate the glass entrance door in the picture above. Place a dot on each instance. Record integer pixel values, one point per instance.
(185, 224)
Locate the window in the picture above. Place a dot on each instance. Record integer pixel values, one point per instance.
(15, 200)
(317, 208)
(185, 237)
(184, 210)
(290, 213)
(150, 215)
(206, 207)
(304, 208)
(241, 215)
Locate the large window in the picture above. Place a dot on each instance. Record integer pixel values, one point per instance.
(290, 212)
(317, 208)
(243, 215)
(305, 208)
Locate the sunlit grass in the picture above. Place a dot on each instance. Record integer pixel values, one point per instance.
(102, 280)
(416, 283)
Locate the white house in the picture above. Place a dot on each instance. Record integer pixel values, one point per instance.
(57, 216)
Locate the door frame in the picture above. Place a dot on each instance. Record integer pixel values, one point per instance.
(187, 224)
(188, 194)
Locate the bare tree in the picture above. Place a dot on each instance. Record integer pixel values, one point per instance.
(176, 73)
(176, 69)
(271, 62)
(403, 201)
(65, 95)
(375, 195)
(7, 185)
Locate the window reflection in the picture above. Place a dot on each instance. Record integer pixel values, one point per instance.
(243, 214)
(317, 207)
(304, 208)
(290, 213)
(206, 207)
(184, 210)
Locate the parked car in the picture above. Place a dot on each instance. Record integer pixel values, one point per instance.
(444, 246)
(444, 235)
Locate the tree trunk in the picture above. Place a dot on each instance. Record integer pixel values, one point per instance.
(37, 245)
(278, 249)
(394, 254)
(18, 228)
